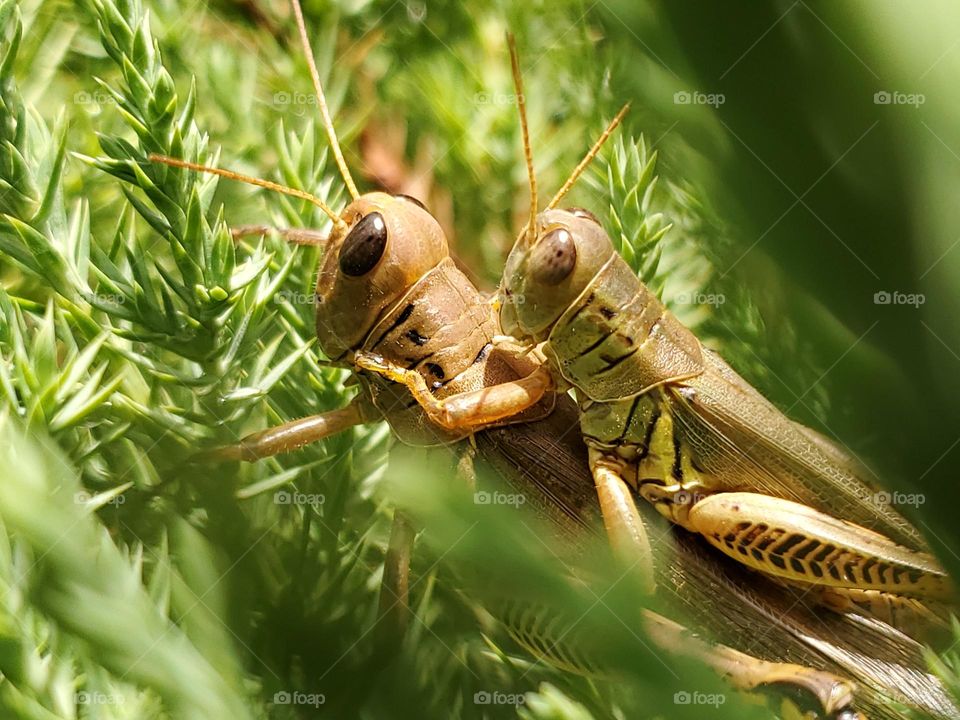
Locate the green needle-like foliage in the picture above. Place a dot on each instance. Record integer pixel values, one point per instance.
(94, 594)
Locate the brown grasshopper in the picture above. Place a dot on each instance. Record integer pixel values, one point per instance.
(389, 292)
(667, 419)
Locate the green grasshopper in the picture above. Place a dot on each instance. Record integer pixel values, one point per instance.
(667, 419)
(708, 593)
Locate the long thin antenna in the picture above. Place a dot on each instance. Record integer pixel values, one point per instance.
(302, 194)
(578, 170)
(525, 130)
(322, 102)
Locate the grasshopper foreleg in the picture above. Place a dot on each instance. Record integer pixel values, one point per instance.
(289, 436)
(467, 410)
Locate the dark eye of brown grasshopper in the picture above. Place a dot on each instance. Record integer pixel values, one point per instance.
(583, 213)
(363, 246)
(554, 257)
(411, 198)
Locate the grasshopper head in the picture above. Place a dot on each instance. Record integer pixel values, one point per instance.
(544, 276)
(384, 246)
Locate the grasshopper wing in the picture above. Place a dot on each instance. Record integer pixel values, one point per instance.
(745, 443)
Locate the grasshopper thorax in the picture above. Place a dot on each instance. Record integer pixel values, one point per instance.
(544, 277)
(384, 245)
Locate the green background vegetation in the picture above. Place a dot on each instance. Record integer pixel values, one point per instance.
(134, 332)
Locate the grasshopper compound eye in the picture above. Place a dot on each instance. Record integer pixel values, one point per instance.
(364, 245)
(554, 257)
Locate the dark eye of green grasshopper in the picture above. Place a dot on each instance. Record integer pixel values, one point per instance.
(554, 257)
(411, 198)
(363, 246)
(583, 213)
